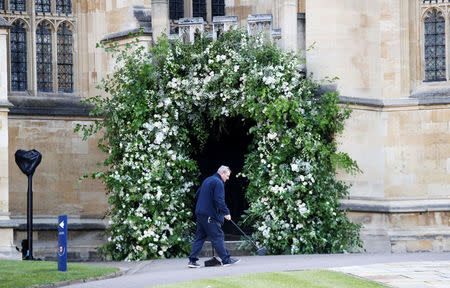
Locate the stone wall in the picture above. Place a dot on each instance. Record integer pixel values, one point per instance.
(6, 232)
(65, 158)
(399, 131)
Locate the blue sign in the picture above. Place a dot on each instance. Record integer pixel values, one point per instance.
(62, 243)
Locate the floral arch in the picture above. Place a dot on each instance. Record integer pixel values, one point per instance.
(162, 101)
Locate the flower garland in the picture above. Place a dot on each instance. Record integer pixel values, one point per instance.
(162, 101)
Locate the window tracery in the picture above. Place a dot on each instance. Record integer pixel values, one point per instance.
(199, 8)
(176, 9)
(435, 63)
(218, 7)
(18, 47)
(64, 6)
(44, 57)
(51, 67)
(65, 59)
(17, 5)
(42, 6)
(434, 16)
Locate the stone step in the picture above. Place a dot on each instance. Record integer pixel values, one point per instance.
(79, 250)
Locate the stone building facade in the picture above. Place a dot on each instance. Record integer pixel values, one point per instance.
(391, 57)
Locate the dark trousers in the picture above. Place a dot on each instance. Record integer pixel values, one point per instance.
(213, 230)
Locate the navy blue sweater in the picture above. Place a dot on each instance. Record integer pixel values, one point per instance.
(211, 198)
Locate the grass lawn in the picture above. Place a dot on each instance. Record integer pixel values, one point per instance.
(295, 279)
(28, 273)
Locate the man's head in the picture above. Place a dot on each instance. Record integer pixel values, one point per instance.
(224, 172)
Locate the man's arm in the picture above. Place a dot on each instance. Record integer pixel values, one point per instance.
(219, 200)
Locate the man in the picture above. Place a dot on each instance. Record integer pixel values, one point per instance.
(211, 211)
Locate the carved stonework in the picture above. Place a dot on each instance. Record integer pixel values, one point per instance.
(222, 24)
(260, 23)
(276, 37)
(190, 28)
(441, 5)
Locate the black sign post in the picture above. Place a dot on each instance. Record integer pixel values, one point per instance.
(27, 162)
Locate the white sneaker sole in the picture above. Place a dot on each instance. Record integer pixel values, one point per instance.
(229, 264)
(193, 266)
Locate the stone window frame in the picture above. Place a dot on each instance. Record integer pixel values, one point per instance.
(32, 20)
(444, 8)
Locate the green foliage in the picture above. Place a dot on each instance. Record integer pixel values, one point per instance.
(161, 103)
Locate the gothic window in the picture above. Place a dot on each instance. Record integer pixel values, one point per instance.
(199, 8)
(44, 57)
(18, 48)
(176, 8)
(434, 46)
(64, 6)
(65, 57)
(218, 7)
(42, 5)
(17, 5)
(47, 30)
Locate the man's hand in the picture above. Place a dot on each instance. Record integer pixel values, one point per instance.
(228, 217)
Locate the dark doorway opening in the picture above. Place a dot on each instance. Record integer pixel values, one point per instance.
(227, 145)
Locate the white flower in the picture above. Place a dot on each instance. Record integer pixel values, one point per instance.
(294, 167)
(272, 136)
(269, 80)
(299, 226)
(159, 137)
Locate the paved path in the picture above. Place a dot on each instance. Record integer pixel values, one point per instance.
(398, 270)
(427, 274)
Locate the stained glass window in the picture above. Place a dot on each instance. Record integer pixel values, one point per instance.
(218, 7)
(18, 46)
(42, 5)
(17, 5)
(2, 4)
(44, 57)
(434, 46)
(176, 8)
(64, 6)
(199, 8)
(65, 59)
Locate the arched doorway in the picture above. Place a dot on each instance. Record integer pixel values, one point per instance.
(227, 145)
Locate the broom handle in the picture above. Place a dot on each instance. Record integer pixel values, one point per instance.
(254, 244)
